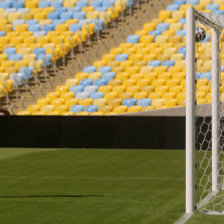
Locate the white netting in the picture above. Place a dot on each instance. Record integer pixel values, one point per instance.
(206, 199)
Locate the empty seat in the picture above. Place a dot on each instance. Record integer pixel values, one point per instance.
(133, 39)
(129, 102)
(121, 57)
(144, 102)
(76, 108)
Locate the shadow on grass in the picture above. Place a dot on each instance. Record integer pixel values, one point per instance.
(51, 196)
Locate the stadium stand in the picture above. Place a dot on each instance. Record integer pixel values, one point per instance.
(147, 72)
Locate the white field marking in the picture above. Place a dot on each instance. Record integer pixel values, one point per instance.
(99, 178)
(184, 218)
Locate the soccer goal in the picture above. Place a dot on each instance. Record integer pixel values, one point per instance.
(204, 113)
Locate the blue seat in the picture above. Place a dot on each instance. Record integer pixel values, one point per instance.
(61, 9)
(100, 9)
(17, 22)
(121, 57)
(144, 102)
(91, 89)
(23, 10)
(76, 108)
(90, 69)
(100, 82)
(108, 3)
(9, 50)
(155, 33)
(180, 2)
(48, 27)
(15, 57)
(130, 2)
(18, 79)
(5, 5)
(56, 22)
(76, 89)
(162, 26)
(82, 3)
(34, 27)
(133, 39)
(129, 102)
(31, 22)
(98, 24)
(104, 69)
(66, 15)
(182, 50)
(39, 50)
(57, 4)
(82, 95)
(206, 75)
(197, 75)
(212, 7)
(27, 71)
(97, 95)
(154, 63)
(53, 15)
(108, 75)
(44, 4)
(46, 58)
(18, 4)
(74, 9)
(193, 2)
(168, 63)
(2, 33)
(96, 3)
(173, 7)
(38, 34)
(219, 12)
(86, 82)
(75, 27)
(85, 21)
(182, 33)
(91, 108)
(182, 20)
(79, 15)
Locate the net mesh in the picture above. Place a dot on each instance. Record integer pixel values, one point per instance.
(208, 200)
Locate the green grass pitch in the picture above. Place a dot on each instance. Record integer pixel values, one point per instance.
(93, 186)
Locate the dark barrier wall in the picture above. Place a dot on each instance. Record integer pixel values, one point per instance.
(93, 132)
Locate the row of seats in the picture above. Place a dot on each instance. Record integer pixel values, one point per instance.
(150, 67)
(35, 36)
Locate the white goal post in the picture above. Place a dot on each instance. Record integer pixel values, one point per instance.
(216, 24)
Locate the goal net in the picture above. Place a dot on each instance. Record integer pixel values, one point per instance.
(204, 113)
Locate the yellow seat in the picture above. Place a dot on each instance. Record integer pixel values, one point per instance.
(95, 75)
(44, 39)
(33, 108)
(122, 75)
(13, 16)
(171, 102)
(148, 108)
(115, 82)
(147, 88)
(47, 108)
(149, 26)
(165, 14)
(140, 95)
(22, 27)
(141, 32)
(116, 50)
(100, 102)
(71, 102)
(81, 75)
(23, 113)
(57, 101)
(21, 63)
(67, 95)
(146, 39)
(118, 69)
(67, 113)
(202, 82)
(159, 82)
(175, 26)
(39, 113)
(160, 69)
(113, 64)
(82, 113)
(92, 15)
(71, 82)
(131, 50)
(177, 57)
(175, 69)
(143, 51)
(99, 63)
(4, 76)
(125, 45)
(178, 14)
(140, 63)
(137, 76)
(126, 63)
(120, 109)
(176, 89)
(29, 40)
(16, 40)
(97, 113)
(105, 89)
(125, 95)
(136, 57)
(106, 108)
(115, 102)
(62, 27)
(4, 40)
(52, 95)
(71, 21)
(173, 82)
(165, 75)
(119, 89)
(133, 89)
(129, 82)
(40, 15)
(62, 89)
(86, 102)
(69, 4)
(7, 63)
(110, 95)
(162, 89)
(155, 95)
(160, 39)
(146, 69)
(61, 109)
(158, 103)
(133, 109)
(169, 95)
(53, 113)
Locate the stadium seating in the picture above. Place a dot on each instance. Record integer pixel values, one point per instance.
(28, 27)
(145, 73)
